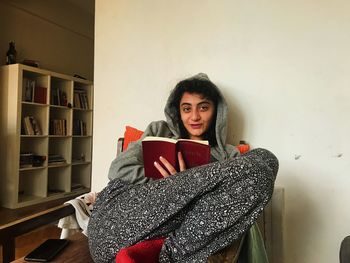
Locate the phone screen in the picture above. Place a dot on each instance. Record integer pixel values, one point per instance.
(47, 250)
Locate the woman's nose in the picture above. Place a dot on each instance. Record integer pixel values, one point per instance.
(195, 115)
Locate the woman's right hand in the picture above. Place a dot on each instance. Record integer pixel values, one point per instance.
(170, 170)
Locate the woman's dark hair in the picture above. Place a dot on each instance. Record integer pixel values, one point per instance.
(202, 87)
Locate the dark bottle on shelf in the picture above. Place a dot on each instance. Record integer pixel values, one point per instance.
(11, 54)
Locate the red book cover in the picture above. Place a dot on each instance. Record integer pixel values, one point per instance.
(40, 95)
(194, 152)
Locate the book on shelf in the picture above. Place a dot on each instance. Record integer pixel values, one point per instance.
(194, 153)
(27, 125)
(26, 160)
(29, 86)
(36, 126)
(40, 95)
(80, 99)
(31, 126)
(54, 96)
(79, 127)
(29, 159)
(58, 97)
(55, 159)
(33, 93)
(55, 156)
(63, 99)
(58, 127)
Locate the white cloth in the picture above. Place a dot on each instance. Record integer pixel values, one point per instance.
(83, 206)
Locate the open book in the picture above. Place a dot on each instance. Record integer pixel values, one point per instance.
(194, 152)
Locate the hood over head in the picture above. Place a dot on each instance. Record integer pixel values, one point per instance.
(171, 110)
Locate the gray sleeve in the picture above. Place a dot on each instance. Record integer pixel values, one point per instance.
(128, 166)
(232, 150)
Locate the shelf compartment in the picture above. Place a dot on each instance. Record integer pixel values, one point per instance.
(60, 146)
(81, 179)
(82, 122)
(61, 92)
(40, 115)
(82, 96)
(32, 185)
(35, 87)
(60, 121)
(58, 180)
(36, 146)
(81, 149)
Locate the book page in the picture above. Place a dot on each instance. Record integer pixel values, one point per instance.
(163, 139)
(195, 141)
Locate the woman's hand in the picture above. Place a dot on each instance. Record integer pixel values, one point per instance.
(170, 170)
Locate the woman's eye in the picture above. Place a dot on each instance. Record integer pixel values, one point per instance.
(187, 109)
(204, 108)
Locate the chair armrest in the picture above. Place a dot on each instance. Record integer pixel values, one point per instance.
(120, 145)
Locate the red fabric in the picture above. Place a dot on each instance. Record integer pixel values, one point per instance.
(142, 252)
(243, 148)
(131, 134)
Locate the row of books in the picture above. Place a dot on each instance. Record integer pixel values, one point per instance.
(58, 127)
(29, 159)
(80, 99)
(79, 127)
(38, 94)
(33, 93)
(31, 126)
(56, 159)
(59, 97)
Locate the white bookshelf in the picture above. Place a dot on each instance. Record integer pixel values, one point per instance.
(65, 118)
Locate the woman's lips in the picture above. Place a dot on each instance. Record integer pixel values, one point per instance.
(196, 126)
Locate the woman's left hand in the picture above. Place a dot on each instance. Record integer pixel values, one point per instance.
(170, 170)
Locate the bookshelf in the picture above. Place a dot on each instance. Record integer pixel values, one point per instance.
(46, 135)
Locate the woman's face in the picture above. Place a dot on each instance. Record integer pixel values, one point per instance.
(196, 114)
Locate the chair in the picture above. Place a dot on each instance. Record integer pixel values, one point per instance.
(344, 253)
(151, 248)
(271, 219)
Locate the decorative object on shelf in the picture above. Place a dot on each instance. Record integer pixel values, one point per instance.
(32, 63)
(78, 76)
(11, 55)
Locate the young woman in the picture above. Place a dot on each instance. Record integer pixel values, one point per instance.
(199, 210)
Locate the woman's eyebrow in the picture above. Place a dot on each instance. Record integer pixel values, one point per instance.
(204, 102)
(200, 103)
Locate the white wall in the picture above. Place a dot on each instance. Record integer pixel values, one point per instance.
(56, 33)
(284, 68)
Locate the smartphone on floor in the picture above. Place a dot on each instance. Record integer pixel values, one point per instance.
(47, 250)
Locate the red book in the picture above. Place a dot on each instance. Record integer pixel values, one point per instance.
(194, 152)
(40, 95)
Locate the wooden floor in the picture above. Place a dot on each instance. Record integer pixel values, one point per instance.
(29, 241)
